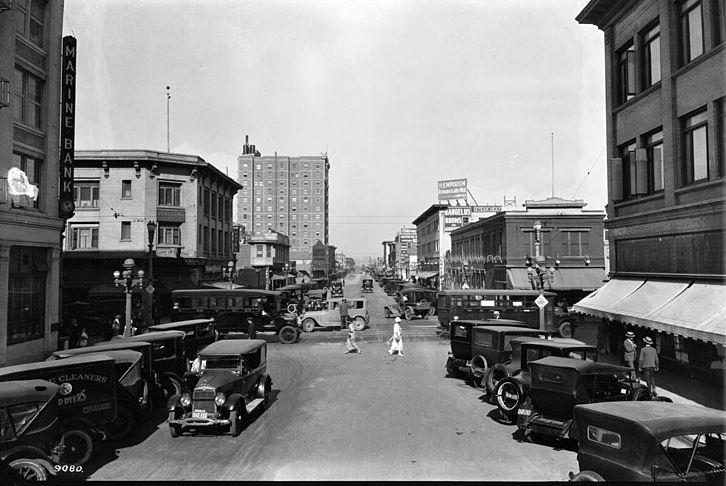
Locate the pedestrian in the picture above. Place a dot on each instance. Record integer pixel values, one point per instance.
(83, 338)
(629, 354)
(343, 309)
(350, 342)
(116, 325)
(129, 328)
(251, 333)
(648, 363)
(395, 342)
(74, 334)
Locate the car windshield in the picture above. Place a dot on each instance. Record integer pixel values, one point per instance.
(16, 418)
(695, 452)
(586, 354)
(221, 363)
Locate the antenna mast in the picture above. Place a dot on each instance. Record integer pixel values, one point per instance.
(553, 164)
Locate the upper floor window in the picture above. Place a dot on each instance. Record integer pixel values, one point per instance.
(85, 194)
(721, 135)
(626, 73)
(651, 55)
(629, 175)
(125, 189)
(29, 19)
(692, 45)
(84, 237)
(169, 235)
(695, 145)
(654, 153)
(169, 194)
(27, 98)
(32, 166)
(126, 231)
(575, 242)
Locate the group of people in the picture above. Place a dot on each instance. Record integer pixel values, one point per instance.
(647, 359)
(395, 342)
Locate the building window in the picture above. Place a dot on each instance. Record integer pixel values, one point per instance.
(29, 18)
(695, 144)
(169, 194)
(654, 151)
(626, 73)
(84, 237)
(721, 135)
(691, 30)
(575, 242)
(125, 189)
(627, 154)
(32, 166)
(651, 56)
(214, 204)
(126, 231)
(28, 270)
(205, 203)
(269, 250)
(259, 251)
(27, 99)
(85, 194)
(169, 235)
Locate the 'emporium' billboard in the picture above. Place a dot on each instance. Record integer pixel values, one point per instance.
(453, 192)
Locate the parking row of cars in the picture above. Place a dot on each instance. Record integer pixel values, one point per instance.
(553, 387)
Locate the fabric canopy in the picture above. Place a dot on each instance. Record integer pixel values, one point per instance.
(685, 308)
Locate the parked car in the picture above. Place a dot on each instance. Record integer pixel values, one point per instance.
(329, 317)
(411, 302)
(198, 333)
(336, 289)
(508, 383)
(292, 296)
(30, 430)
(87, 401)
(655, 441)
(474, 350)
(233, 382)
(367, 285)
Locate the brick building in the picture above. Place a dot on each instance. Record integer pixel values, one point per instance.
(432, 243)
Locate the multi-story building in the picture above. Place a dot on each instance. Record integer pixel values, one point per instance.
(432, 243)
(30, 113)
(665, 68)
(323, 261)
(287, 194)
(270, 257)
(117, 193)
(405, 249)
(501, 251)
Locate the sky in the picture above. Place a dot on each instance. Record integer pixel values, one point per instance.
(399, 93)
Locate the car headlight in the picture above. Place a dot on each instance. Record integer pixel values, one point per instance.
(186, 400)
(220, 399)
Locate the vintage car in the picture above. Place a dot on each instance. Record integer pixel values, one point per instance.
(526, 350)
(87, 401)
(474, 349)
(336, 289)
(292, 296)
(198, 333)
(654, 441)
(541, 400)
(30, 430)
(366, 285)
(391, 285)
(233, 382)
(329, 317)
(411, 302)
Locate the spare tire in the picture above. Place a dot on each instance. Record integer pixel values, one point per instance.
(479, 366)
(494, 375)
(508, 395)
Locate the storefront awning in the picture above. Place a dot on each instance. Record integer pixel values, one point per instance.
(563, 279)
(427, 274)
(278, 277)
(692, 310)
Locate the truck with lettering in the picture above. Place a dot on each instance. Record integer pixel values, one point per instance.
(87, 399)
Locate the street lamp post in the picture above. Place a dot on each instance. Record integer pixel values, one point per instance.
(538, 259)
(127, 280)
(151, 228)
(229, 273)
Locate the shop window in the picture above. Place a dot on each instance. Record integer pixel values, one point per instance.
(28, 270)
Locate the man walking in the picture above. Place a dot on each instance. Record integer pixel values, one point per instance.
(629, 353)
(350, 343)
(396, 342)
(343, 308)
(648, 363)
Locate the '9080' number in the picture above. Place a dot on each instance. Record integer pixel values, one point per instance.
(68, 468)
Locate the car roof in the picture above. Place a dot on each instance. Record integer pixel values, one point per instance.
(122, 355)
(59, 363)
(230, 347)
(153, 336)
(174, 325)
(555, 342)
(580, 365)
(513, 330)
(490, 322)
(660, 419)
(289, 287)
(100, 348)
(12, 392)
(224, 292)
(496, 292)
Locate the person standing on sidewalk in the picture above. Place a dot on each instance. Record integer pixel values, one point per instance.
(648, 363)
(629, 353)
(343, 308)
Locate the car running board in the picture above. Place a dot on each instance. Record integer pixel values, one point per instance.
(254, 404)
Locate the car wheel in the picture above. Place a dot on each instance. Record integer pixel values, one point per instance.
(123, 426)
(175, 430)
(494, 375)
(170, 385)
(264, 391)
(292, 308)
(308, 325)
(387, 313)
(359, 323)
(479, 367)
(566, 330)
(288, 334)
(432, 311)
(77, 447)
(409, 314)
(508, 397)
(586, 476)
(29, 470)
(236, 420)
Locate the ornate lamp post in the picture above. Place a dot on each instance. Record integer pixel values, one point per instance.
(127, 280)
(151, 228)
(228, 272)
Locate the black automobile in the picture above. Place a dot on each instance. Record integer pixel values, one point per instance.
(198, 333)
(650, 441)
(336, 289)
(30, 430)
(233, 382)
(475, 349)
(367, 285)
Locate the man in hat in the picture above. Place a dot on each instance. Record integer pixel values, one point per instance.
(648, 363)
(343, 308)
(629, 353)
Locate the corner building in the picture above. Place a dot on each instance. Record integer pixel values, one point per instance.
(665, 69)
(286, 194)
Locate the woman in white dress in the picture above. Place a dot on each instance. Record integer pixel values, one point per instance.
(396, 341)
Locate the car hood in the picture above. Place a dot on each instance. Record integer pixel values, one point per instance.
(216, 379)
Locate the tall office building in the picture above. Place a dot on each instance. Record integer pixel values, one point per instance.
(287, 194)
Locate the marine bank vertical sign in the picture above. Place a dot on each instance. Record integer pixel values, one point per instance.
(68, 127)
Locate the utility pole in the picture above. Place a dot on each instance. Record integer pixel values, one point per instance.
(168, 97)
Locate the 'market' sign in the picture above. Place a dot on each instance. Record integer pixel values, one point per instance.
(68, 128)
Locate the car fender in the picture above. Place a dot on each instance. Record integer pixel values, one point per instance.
(83, 424)
(233, 401)
(173, 403)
